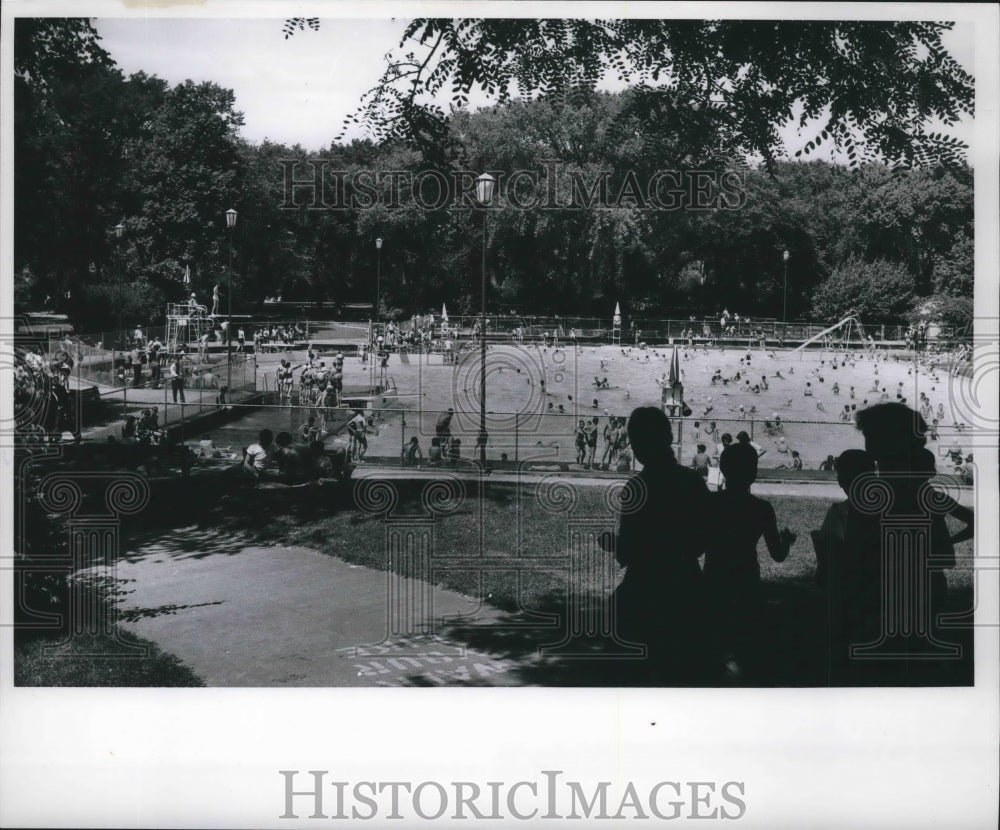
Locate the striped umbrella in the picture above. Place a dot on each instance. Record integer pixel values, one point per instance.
(187, 274)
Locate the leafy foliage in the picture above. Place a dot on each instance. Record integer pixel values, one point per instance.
(94, 148)
(874, 290)
(953, 312)
(867, 89)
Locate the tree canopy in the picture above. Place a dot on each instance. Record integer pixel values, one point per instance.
(867, 89)
(94, 149)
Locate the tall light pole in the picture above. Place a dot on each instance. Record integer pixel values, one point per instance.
(119, 230)
(784, 293)
(378, 280)
(230, 224)
(484, 192)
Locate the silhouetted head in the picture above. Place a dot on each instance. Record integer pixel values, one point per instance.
(738, 463)
(894, 433)
(650, 434)
(850, 465)
(265, 437)
(283, 439)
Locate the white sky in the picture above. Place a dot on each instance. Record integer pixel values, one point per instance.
(299, 90)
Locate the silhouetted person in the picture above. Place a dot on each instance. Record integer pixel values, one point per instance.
(660, 537)
(738, 520)
(903, 544)
(830, 540)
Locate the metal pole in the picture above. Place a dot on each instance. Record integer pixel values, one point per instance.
(784, 297)
(482, 361)
(229, 323)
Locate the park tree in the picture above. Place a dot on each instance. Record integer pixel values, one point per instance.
(879, 290)
(866, 88)
(65, 127)
(954, 313)
(955, 269)
(915, 218)
(182, 177)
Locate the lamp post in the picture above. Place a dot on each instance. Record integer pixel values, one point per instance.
(119, 230)
(378, 280)
(784, 292)
(376, 313)
(484, 192)
(230, 225)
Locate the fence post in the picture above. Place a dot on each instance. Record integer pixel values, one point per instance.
(517, 419)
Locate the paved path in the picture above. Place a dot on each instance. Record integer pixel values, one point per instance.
(290, 616)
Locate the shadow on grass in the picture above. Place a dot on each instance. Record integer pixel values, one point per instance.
(793, 651)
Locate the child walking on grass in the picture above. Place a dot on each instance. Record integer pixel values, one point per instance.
(732, 572)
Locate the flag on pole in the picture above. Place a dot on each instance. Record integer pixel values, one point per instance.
(444, 313)
(617, 319)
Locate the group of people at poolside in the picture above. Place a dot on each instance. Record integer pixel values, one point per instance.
(42, 393)
(280, 459)
(708, 623)
(615, 449)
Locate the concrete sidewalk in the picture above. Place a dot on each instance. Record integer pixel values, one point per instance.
(290, 616)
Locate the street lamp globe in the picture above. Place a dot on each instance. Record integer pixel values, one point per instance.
(231, 218)
(119, 230)
(378, 243)
(484, 188)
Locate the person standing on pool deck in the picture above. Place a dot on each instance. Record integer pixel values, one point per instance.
(591, 443)
(659, 602)
(176, 372)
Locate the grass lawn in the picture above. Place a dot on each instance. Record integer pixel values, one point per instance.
(45, 662)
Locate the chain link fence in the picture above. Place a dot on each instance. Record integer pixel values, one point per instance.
(552, 438)
(172, 404)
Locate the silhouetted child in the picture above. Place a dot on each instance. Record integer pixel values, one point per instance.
(738, 520)
(829, 540)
